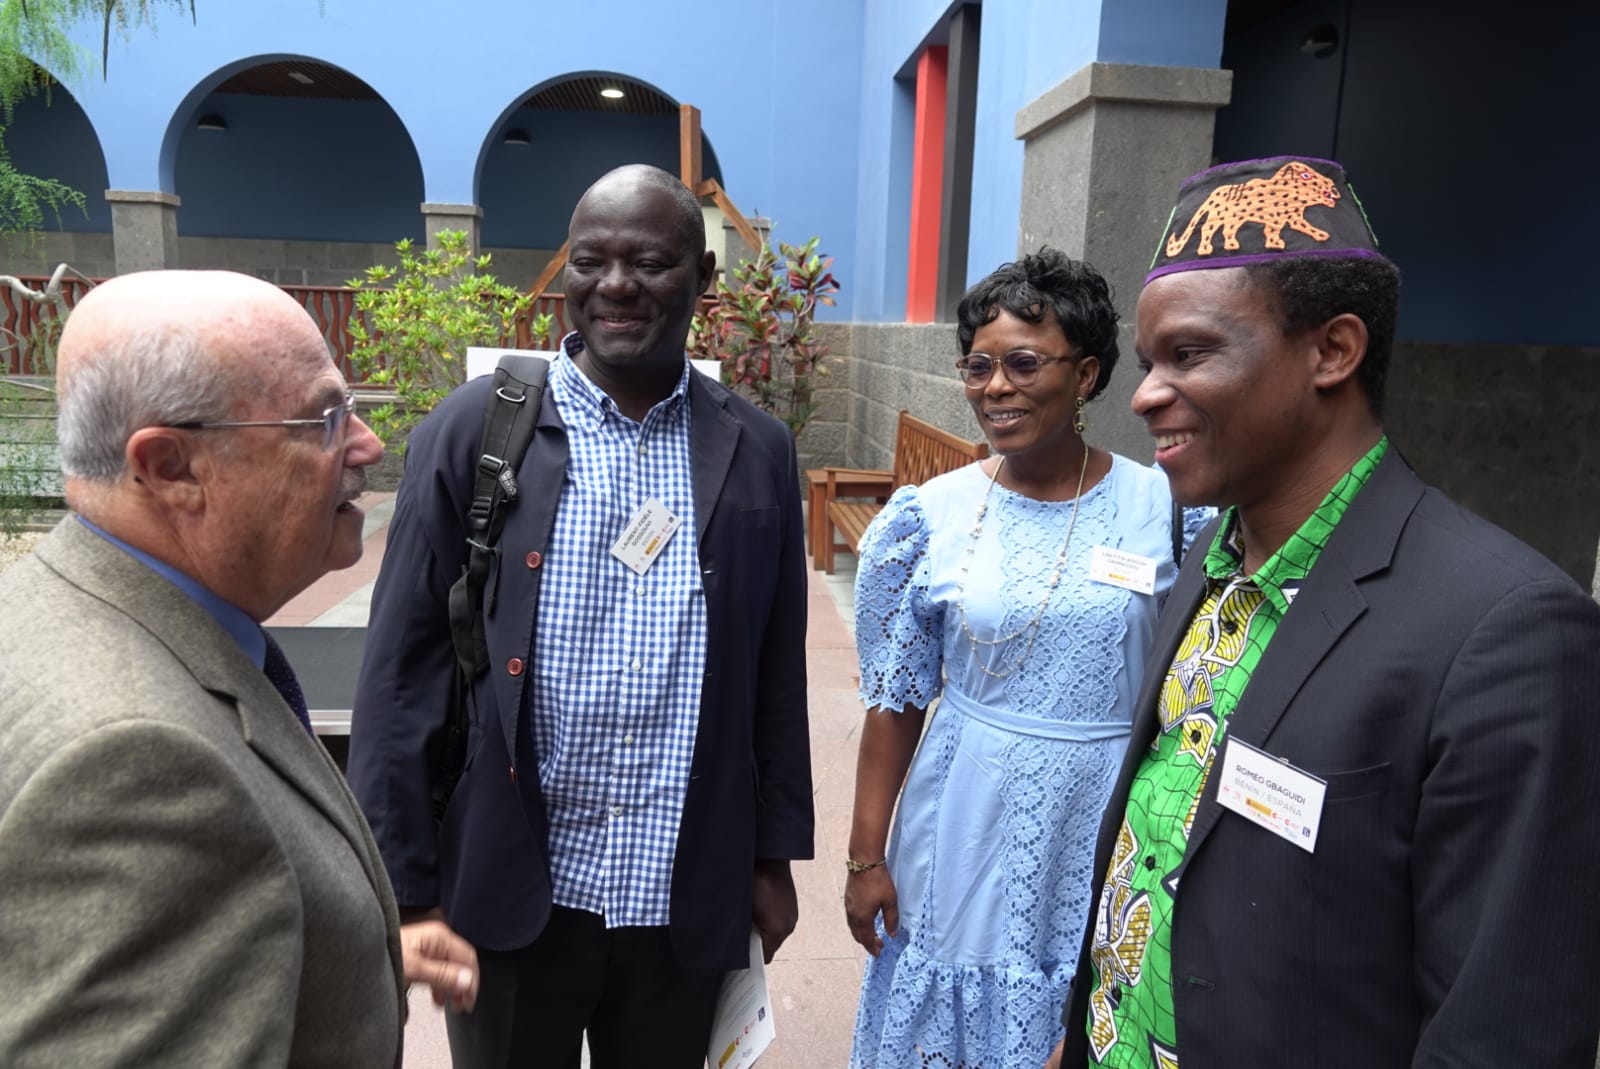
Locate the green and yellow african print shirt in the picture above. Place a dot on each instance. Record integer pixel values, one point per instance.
(1131, 1020)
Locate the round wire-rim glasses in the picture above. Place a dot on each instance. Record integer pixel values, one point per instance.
(1022, 367)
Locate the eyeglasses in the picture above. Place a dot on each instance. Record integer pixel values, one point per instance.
(1022, 367)
(332, 421)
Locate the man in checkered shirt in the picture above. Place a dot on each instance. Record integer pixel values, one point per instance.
(638, 776)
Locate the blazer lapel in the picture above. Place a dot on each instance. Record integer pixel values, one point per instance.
(1329, 602)
(713, 434)
(273, 732)
(1182, 600)
(215, 661)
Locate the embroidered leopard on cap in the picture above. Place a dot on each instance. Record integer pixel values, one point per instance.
(1264, 209)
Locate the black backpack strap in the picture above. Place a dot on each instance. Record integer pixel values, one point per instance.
(509, 418)
(1177, 533)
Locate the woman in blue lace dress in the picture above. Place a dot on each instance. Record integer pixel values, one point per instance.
(1024, 592)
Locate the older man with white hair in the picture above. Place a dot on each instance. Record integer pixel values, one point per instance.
(186, 879)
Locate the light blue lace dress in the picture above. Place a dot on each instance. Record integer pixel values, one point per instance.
(995, 830)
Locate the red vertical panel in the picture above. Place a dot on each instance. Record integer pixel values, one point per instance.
(927, 187)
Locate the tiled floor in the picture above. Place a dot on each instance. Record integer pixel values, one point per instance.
(817, 974)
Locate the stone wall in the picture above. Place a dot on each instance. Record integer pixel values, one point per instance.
(1510, 432)
(284, 263)
(823, 441)
(38, 253)
(901, 365)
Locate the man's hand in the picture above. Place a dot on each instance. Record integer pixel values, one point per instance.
(1054, 1061)
(866, 894)
(432, 954)
(774, 907)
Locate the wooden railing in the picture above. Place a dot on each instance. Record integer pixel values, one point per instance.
(27, 328)
(333, 306)
(24, 324)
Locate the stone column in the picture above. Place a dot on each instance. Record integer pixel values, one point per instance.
(437, 217)
(1104, 152)
(144, 229)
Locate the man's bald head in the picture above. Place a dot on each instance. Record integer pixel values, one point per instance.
(165, 347)
(627, 181)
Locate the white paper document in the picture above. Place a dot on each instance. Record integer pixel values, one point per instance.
(743, 1027)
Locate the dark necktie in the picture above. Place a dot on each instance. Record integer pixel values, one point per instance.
(280, 675)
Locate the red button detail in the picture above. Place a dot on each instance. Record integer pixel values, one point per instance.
(513, 773)
(533, 560)
(514, 666)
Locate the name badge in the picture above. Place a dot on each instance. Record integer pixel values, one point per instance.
(645, 536)
(1122, 569)
(1271, 793)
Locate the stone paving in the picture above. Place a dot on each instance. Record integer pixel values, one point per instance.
(817, 974)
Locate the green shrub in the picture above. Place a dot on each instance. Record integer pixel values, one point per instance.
(413, 325)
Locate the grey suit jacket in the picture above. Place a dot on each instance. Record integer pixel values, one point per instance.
(184, 878)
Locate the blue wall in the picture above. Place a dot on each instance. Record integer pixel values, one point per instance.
(1026, 48)
(1456, 124)
(1469, 135)
(52, 138)
(304, 170)
(778, 86)
(527, 192)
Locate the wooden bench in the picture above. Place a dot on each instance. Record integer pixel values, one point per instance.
(921, 451)
(845, 482)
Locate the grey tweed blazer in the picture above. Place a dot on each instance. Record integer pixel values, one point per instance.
(184, 877)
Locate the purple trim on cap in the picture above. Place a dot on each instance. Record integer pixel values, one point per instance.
(1265, 159)
(1261, 258)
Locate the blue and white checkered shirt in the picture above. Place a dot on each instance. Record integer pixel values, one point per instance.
(618, 657)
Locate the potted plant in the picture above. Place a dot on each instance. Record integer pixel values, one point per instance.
(762, 329)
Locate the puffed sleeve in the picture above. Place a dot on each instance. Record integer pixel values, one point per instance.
(898, 629)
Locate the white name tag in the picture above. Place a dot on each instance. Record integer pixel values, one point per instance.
(645, 536)
(1126, 570)
(1271, 793)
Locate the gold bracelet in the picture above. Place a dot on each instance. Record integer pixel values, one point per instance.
(852, 865)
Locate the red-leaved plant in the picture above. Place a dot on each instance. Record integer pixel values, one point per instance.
(761, 329)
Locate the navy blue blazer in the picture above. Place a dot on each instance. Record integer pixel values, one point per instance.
(1444, 679)
(749, 793)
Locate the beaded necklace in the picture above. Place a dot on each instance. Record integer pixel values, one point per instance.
(1031, 628)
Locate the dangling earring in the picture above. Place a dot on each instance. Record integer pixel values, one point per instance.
(1078, 424)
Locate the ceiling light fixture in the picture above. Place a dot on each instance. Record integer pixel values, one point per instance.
(611, 92)
(302, 77)
(211, 121)
(517, 136)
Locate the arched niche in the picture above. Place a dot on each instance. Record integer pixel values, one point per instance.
(552, 143)
(290, 158)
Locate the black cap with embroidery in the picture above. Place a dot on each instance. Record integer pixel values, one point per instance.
(1259, 210)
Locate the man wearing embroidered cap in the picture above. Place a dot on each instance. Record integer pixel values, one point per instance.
(1356, 822)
